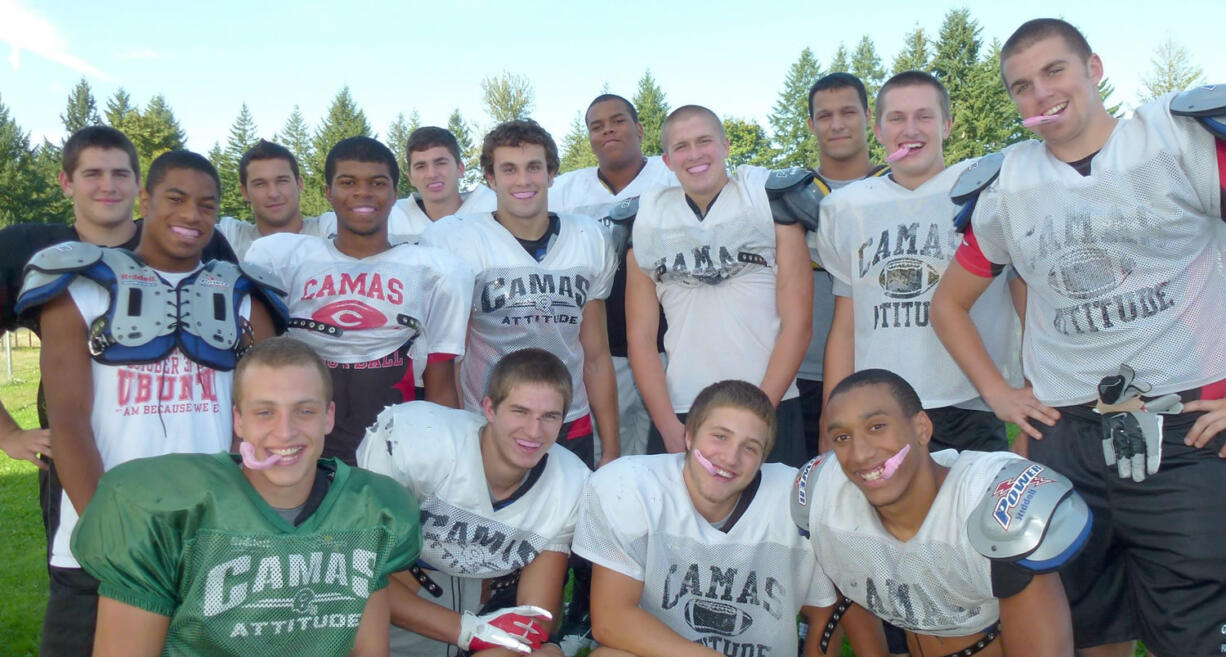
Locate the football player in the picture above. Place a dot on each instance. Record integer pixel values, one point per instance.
(1115, 226)
(498, 502)
(886, 241)
(276, 552)
(375, 313)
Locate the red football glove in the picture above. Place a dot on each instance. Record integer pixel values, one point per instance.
(521, 629)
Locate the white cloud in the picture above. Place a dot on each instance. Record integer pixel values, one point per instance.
(22, 29)
(143, 53)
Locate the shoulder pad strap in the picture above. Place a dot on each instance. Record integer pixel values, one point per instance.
(781, 180)
(878, 171)
(1031, 516)
(49, 272)
(624, 211)
(1209, 100)
(977, 176)
(794, 196)
(801, 494)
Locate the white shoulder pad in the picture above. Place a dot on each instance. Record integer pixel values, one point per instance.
(262, 277)
(1208, 100)
(976, 177)
(624, 211)
(1031, 516)
(801, 494)
(66, 257)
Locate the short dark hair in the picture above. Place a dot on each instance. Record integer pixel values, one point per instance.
(735, 394)
(277, 352)
(902, 392)
(912, 79)
(1041, 28)
(360, 149)
(518, 132)
(266, 150)
(181, 159)
(835, 81)
(427, 137)
(97, 136)
(634, 114)
(529, 366)
(685, 112)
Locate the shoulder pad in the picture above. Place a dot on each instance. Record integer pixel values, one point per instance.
(878, 171)
(781, 180)
(977, 176)
(1209, 100)
(800, 494)
(49, 272)
(261, 276)
(624, 211)
(1031, 516)
(265, 286)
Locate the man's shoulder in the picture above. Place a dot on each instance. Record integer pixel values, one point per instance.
(643, 475)
(172, 482)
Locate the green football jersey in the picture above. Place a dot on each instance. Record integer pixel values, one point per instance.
(186, 536)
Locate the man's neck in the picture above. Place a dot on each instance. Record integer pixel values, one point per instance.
(913, 182)
(292, 226)
(116, 235)
(281, 497)
(524, 228)
(904, 517)
(1089, 142)
(852, 168)
(618, 177)
(704, 201)
(162, 262)
(502, 478)
(361, 246)
(436, 210)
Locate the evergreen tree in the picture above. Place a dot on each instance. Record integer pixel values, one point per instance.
(507, 96)
(296, 136)
(469, 150)
(1172, 71)
(956, 64)
(121, 114)
(82, 110)
(748, 143)
(576, 149)
(841, 63)
(155, 131)
(48, 202)
(19, 182)
(866, 65)
(1105, 91)
(345, 119)
(243, 135)
(397, 140)
(653, 108)
(794, 144)
(986, 119)
(915, 55)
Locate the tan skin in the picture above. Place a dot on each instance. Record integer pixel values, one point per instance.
(868, 426)
(617, 141)
(840, 124)
(273, 191)
(435, 172)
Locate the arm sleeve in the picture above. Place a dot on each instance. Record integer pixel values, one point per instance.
(603, 285)
(561, 542)
(447, 309)
(830, 252)
(271, 253)
(608, 531)
(972, 259)
(821, 590)
(987, 225)
(406, 538)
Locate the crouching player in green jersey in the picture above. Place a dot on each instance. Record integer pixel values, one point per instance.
(277, 552)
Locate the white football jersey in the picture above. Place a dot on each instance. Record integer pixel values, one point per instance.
(407, 221)
(935, 583)
(466, 537)
(715, 279)
(518, 302)
(241, 234)
(353, 310)
(736, 592)
(582, 191)
(1123, 266)
(887, 247)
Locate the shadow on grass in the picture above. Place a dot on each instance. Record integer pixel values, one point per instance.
(23, 559)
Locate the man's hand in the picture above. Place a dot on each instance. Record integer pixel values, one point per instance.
(521, 629)
(1019, 406)
(673, 435)
(1208, 425)
(27, 445)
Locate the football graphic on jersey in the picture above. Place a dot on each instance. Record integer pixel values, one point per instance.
(709, 616)
(1088, 273)
(905, 278)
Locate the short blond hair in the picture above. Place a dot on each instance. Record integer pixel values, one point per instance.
(279, 352)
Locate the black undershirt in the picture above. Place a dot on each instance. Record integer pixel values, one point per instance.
(1082, 166)
(538, 247)
(697, 210)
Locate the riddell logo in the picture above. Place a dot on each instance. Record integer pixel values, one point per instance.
(350, 314)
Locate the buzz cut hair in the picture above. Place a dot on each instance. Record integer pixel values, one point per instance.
(97, 136)
(281, 352)
(912, 79)
(361, 149)
(1036, 30)
(685, 112)
(835, 81)
(181, 159)
(733, 393)
(902, 392)
(427, 137)
(518, 132)
(634, 114)
(266, 150)
(534, 366)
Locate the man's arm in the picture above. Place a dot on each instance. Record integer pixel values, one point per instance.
(69, 387)
(1036, 621)
(863, 630)
(642, 328)
(23, 444)
(126, 631)
(262, 327)
(540, 585)
(951, 319)
(599, 378)
(439, 380)
(618, 622)
(371, 640)
(840, 358)
(794, 302)
(416, 614)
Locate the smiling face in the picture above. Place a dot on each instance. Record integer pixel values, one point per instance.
(1048, 78)
(523, 426)
(180, 214)
(723, 456)
(102, 187)
(912, 118)
(283, 411)
(868, 428)
(695, 152)
(616, 138)
(362, 194)
(840, 123)
(521, 178)
(436, 174)
(273, 192)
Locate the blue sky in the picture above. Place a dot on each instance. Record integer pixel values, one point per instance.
(209, 57)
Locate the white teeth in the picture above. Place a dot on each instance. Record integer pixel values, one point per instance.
(724, 473)
(286, 451)
(873, 475)
(1056, 110)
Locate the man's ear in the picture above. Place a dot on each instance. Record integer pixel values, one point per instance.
(923, 427)
(145, 200)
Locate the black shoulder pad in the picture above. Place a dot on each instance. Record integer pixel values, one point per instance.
(794, 197)
(977, 176)
(1209, 100)
(624, 211)
(782, 180)
(800, 494)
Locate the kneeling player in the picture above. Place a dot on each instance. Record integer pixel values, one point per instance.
(285, 554)
(956, 548)
(498, 500)
(693, 553)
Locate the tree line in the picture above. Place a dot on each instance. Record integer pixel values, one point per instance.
(984, 120)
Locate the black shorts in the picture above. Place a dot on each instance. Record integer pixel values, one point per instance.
(1154, 567)
(811, 414)
(582, 443)
(361, 391)
(72, 608)
(789, 445)
(962, 429)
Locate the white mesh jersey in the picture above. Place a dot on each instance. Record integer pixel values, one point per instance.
(518, 302)
(407, 221)
(887, 247)
(736, 592)
(241, 234)
(582, 191)
(435, 452)
(935, 583)
(364, 309)
(1123, 266)
(715, 279)
(174, 405)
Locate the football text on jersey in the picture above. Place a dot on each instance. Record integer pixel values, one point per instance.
(471, 547)
(906, 273)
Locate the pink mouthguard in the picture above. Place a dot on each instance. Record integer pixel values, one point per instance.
(1039, 119)
(898, 154)
(248, 451)
(706, 465)
(894, 462)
